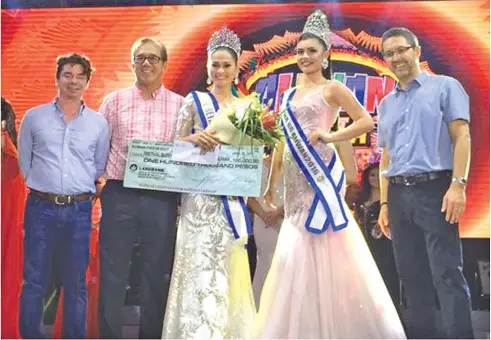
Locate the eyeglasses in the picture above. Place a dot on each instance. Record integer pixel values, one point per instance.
(78, 77)
(398, 51)
(152, 59)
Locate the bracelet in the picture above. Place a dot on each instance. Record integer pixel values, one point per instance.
(460, 180)
(382, 203)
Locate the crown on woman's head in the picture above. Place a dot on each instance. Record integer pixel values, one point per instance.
(317, 25)
(224, 38)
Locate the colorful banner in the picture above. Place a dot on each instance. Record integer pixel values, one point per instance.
(454, 36)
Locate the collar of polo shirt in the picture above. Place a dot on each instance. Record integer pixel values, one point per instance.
(419, 80)
(80, 112)
(154, 93)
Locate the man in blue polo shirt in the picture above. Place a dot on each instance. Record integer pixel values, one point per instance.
(63, 148)
(424, 134)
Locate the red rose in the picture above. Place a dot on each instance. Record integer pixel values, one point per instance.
(269, 121)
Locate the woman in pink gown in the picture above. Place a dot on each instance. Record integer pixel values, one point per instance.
(322, 284)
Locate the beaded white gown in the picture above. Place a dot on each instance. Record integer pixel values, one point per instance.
(210, 295)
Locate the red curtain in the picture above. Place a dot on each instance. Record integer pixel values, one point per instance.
(13, 201)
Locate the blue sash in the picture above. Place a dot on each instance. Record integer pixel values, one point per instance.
(328, 206)
(235, 209)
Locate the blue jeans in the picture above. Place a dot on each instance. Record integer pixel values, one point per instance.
(51, 229)
(428, 256)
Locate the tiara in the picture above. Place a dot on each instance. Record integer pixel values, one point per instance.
(224, 38)
(317, 25)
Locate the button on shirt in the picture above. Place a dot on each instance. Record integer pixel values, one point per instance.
(413, 124)
(131, 116)
(62, 158)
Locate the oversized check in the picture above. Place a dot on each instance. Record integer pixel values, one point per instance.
(237, 173)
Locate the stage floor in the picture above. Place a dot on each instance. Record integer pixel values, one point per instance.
(480, 321)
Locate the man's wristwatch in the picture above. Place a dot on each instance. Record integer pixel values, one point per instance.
(460, 180)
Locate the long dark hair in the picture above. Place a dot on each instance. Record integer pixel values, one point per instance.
(327, 73)
(365, 187)
(8, 115)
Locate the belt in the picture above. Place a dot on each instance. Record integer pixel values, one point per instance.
(62, 199)
(419, 178)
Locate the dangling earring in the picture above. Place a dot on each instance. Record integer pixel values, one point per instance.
(208, 80)
(325, 64)
(236, 80)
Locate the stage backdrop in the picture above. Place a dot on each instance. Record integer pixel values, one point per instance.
(454, 36)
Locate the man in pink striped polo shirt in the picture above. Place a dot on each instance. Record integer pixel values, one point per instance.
(146, 111)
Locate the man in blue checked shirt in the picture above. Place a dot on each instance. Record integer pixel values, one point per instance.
(425, 138)
(63, 147)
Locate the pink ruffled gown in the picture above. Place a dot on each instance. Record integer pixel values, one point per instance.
(321, 285)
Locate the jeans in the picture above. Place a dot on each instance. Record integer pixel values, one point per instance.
(63, 230)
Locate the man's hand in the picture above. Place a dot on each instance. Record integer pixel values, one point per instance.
(383, 221)
(454, 202)
(101, 181)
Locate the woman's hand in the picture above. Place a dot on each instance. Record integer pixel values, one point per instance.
(206, 140)
(268, 218)
(317, 134)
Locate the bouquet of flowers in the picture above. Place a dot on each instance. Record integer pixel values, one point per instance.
(248, 122)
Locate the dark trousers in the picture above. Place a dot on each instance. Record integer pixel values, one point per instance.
(428, 255)
(128, 214)
(51, 229)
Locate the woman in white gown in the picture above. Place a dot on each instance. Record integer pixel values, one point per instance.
(210, 293)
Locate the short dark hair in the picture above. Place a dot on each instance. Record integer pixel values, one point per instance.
(410, 37)
(141, 41)
(73, 59)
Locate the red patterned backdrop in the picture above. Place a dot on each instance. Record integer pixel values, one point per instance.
(454, 36)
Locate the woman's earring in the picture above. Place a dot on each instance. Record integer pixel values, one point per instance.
(236, 80)
(208, 81)
(325, 64)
